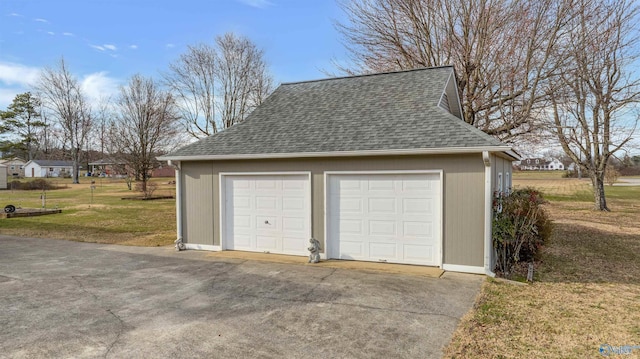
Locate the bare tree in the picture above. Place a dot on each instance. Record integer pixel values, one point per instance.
(103, 119)
(243, 78)
(218, 85)
(192, 80)
(596, 95)
(146, 123)
(501, 50)
(62, 95)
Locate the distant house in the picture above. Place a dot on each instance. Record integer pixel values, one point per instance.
(108, 167)
(48, 168)
(3, 177)
(15, 166)
(541, 164)
(163, 171)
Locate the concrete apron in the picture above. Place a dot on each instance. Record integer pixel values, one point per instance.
(406, 269)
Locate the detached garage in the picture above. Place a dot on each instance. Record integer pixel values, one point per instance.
(376, 167)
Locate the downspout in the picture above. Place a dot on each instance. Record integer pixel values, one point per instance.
(179, 244)
(488, 213)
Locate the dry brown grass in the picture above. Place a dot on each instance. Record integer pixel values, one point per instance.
(587, 288)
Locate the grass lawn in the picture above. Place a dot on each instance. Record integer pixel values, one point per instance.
(586, 291)
(104, 219)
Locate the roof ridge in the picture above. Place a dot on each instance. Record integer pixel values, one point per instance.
(366, 75)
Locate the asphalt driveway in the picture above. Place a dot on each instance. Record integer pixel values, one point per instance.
(83, 300)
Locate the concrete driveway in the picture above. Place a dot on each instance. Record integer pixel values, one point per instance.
(83, 300)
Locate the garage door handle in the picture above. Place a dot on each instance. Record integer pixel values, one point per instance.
(266, 222)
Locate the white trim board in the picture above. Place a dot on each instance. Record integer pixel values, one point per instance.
(418, 151)
(463, 268)
(202, 247)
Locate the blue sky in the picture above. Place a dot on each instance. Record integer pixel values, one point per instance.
(106, 41)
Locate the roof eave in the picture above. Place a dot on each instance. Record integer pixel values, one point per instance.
(421, 151)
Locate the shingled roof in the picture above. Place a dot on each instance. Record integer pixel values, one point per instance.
(53, 163)
(396, 111)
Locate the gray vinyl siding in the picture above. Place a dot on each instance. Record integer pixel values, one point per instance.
(3, 177)
(197, 202)
(463, 212)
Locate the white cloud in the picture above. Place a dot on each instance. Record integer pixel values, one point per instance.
(261, 4)
(15, 14)
(97, 47)
(7, 96)
(17, 74)
(68, 34)
(133, 47)
(110, 47)
(98, 86)
(41, 20)
(169, 46)
(15, 79)
(51, 33)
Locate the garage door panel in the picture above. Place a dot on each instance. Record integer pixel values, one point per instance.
(267, 243)
(386, 251)
(350, 205)
(420, 206)
(240, 184)
(296, 224)
(349, 185)
(351, 249)
(242, 221)
(382, 228)
(350, 226)
(417, 185)
(267, 213)
(400, 221)
(293, 204)
(382, 205)
(417, 253)
(266, 202)
(417, 229)
(292, 186)
(294, 246)
(241, 240)
(242, 202)
(268, 223)
(381, 185)
(266, 183)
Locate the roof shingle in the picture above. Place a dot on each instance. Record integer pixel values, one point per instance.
(389, 111)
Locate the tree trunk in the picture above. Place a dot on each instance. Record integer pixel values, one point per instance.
(76, 163)
(598, 192)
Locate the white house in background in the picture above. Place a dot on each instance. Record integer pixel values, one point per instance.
(48, 168)
(541, 164)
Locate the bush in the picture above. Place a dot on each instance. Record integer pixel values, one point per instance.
(147, 190)
(520, 228)
(611, 175)
(37, 184)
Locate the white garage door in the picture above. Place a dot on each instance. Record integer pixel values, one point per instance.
(267, 213)
(385, 217)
